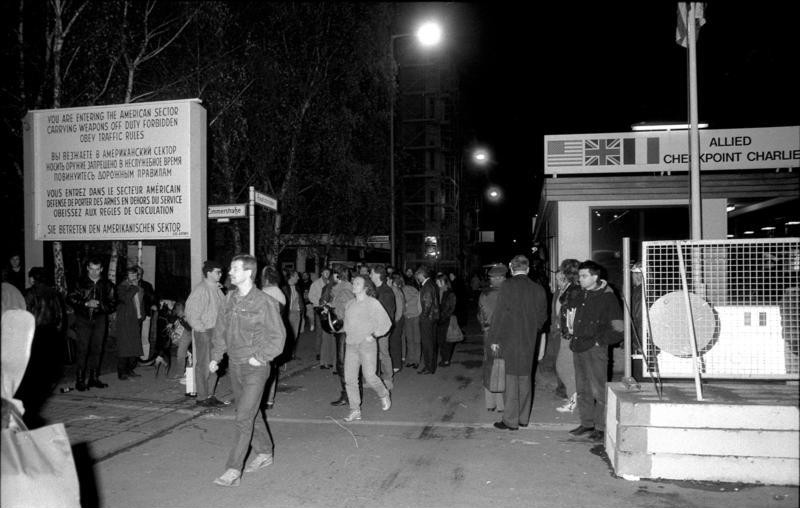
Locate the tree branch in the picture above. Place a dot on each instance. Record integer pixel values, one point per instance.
(164, 46)
(230, 102)
(107, 80)
(74, 17)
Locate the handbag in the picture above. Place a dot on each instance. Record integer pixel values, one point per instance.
(37, 467)
(454, 331)
(497, 378)
(189, 374)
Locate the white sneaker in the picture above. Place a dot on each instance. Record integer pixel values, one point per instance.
(260, 460)
(569, 406)
(229, 478)
(386, 403)
(355, 414)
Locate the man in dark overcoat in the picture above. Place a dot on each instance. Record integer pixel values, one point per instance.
(429, 303)
(517, 321)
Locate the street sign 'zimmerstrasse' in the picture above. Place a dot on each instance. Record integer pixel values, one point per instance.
(226, 211)
(267, 201)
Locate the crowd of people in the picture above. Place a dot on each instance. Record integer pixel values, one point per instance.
(368, 323)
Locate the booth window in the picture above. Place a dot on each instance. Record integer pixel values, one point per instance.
(640, 224)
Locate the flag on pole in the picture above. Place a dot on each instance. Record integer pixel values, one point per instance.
(681, 30)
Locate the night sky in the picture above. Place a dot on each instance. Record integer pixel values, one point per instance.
(601, 67)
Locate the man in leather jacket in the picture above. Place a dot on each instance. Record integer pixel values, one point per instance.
(429, 302)
(93, 299)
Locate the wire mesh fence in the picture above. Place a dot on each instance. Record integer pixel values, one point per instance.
(741, 296)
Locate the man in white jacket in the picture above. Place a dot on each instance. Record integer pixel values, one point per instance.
(365, 320)
(202, 308)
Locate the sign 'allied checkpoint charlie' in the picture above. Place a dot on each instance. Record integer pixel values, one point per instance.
(118, 172)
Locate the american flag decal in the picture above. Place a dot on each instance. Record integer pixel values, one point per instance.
(565, 153)
(602, 152)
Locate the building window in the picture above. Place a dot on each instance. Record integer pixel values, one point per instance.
(640, 224)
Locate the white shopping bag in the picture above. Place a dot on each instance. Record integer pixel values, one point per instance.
(190, 388)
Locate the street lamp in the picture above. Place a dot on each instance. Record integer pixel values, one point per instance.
(481, 156)
(428, 34)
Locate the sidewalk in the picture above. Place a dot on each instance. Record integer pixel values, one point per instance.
(104, 422)
(110, 420)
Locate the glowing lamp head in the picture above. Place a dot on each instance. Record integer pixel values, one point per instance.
(429, 33)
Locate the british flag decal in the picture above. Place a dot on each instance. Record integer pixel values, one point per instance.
(602, 152)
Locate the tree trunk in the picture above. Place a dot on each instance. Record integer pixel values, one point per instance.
(60, 282)
(116, 247)
(58, 44)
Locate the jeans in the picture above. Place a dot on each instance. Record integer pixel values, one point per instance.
(295, 319)
(411, 326)
(204, 380)
(445, 348)
(386, 361)
(396, 343)
(340, 352)
(590, 380)
(327, 349)
(91, 334)
(248, 384)
(427, 340)
(183, 347)
(517, 400)
(565, 366)
(363, 355)
(272, 383)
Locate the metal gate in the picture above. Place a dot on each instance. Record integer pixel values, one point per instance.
(738, 298)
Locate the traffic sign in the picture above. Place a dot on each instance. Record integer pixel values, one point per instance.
(226, 211)
(266, 201)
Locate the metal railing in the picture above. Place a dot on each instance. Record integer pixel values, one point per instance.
(728, 307)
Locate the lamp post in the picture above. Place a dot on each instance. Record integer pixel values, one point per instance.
(428, 34)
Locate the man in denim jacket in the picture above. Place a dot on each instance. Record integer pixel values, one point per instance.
(250, 329)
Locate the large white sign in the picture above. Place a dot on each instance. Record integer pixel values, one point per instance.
(637, 152)
(117, 172)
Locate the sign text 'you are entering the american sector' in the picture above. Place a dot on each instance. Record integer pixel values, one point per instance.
(112, 172)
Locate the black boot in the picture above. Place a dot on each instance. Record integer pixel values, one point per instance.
(95, 381)
(341, 401)
(80, 381)
(122, 368)
(131, 364)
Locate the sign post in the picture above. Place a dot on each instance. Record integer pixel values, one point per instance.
(252, 203)
(258, 198)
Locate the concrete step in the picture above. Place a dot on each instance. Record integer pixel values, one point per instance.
(709, 442)
(739, 433)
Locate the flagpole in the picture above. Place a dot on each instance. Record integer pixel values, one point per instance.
(694, 135)
(696, 205)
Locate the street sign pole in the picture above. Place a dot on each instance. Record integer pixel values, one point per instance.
(252, 203)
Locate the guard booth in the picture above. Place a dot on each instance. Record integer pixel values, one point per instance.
(600, 188)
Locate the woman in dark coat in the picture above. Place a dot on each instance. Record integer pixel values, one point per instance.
(129, 333)
(447, 306)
